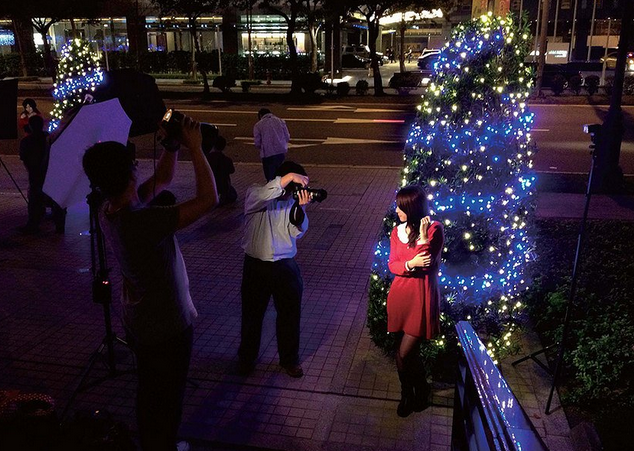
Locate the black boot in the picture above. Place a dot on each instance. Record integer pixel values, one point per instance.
(422, 389)
(406, 405)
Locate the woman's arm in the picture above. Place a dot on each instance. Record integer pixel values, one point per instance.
(396, 265)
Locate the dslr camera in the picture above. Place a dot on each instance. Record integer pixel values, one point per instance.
(316, 194)
(210, 133)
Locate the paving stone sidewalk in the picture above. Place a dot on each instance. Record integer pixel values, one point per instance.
(347, 399)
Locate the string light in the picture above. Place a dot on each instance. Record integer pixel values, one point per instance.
(78, 73)
(471, 150)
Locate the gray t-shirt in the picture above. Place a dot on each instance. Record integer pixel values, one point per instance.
(155, 295)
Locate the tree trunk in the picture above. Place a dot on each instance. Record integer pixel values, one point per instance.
(401, 53)
(373, 28)
(48, 60)
(312, 31)
(24, 37)
(73, 28)
(192, 23)
(542, 45)
(292, 53)
(609, 177)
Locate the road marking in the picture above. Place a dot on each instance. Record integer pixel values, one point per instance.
(328, 141)
(540, 130)
(254, 113)
(346, 108)
(322, 108)
(345, 120)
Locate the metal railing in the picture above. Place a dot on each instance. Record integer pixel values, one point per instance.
(487, 416)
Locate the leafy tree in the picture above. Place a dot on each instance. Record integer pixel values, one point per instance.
(193, 9)
(373, 11)
(290, 11)
(314, 14)
(45, 13)
(471, 150)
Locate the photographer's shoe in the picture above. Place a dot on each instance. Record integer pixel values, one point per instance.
(294, 370)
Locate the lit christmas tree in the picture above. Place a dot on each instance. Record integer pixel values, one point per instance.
(78, 73)
(471, 150)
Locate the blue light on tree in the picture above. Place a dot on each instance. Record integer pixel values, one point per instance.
(78, 74)
(471, 150)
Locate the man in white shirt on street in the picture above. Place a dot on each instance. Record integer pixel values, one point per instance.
(271, 136)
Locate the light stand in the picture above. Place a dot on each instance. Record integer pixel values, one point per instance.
(101, 294)
(594, 130)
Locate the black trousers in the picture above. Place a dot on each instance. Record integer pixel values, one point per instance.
(270, 165)
(162, 373)
(261, 280)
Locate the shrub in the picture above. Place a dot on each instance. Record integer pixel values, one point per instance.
(592, 84)
(558, 84)
(599, 357)
(224, 83)
(609, 83)
(308, 82)
(362, 87)
(246, 84)
(343, 88)
(406, 80)
(575, 84)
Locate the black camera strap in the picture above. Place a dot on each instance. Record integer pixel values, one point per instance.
(297, 214)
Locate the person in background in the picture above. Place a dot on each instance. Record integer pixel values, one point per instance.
(271, 136)
(34, 153)
(222, 167)
(30, 110)
(273, 223)
(413, 302)
(158, 311)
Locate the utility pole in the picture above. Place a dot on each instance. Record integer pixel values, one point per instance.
(542, 45)
(610, 175)
(594, 13)
(572, 35)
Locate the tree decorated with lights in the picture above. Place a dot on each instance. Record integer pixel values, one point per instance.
(471, 150)
(78, 74)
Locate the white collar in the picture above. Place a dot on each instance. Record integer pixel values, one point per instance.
(402, 233)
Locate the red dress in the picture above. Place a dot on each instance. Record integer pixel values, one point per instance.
(413, 302)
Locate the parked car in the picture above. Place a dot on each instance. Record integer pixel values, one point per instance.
(350, 60)
(610, 61)
(363, 51)
(427, 59)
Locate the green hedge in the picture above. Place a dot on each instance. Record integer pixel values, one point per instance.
(599, 358)
(10, 65)
(236, 66)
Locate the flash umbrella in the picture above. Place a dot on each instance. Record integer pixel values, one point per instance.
(66, 183)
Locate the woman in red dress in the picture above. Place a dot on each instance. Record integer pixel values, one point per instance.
(30, 109)
(413, 302)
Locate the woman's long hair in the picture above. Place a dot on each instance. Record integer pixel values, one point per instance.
(412, 200)
(33, 105)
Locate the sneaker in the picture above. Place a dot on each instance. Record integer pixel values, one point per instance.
(182, 446)
(294, 370)
(245, 367)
